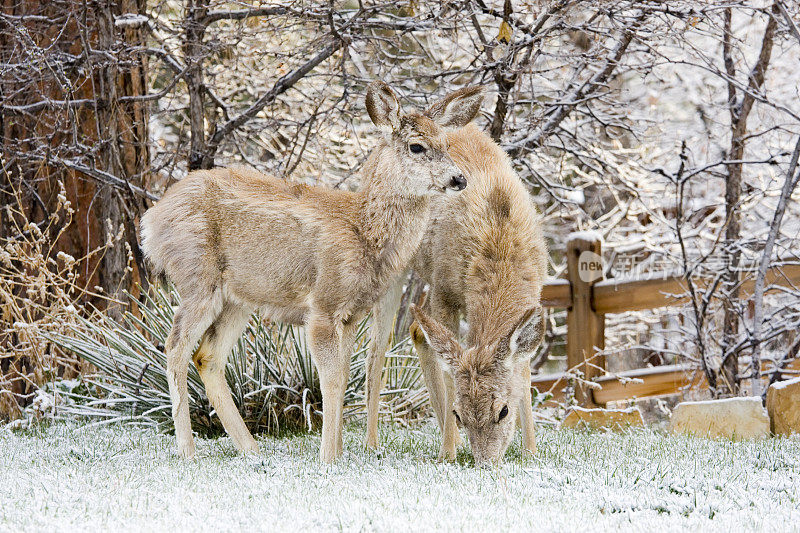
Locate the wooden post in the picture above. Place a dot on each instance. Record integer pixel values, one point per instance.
(585, 327)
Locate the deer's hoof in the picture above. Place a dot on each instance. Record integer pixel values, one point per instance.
(328, 456)
(186, 450)
(447, 455)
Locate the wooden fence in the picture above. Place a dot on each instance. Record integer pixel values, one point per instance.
(588, 302)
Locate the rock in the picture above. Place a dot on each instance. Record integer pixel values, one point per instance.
(733, 418)
(602, 418)
(783, 405)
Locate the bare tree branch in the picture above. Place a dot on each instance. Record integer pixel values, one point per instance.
(107, 179)
(789, 22)
(789, 185)
(561, 111)
(281, 86)
(728, 61)
(46, 103)
(240, 14)
(757, 75)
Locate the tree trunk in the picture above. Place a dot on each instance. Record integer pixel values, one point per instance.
(87, 60)
(125, 153)
(726, 381)
(193, 53)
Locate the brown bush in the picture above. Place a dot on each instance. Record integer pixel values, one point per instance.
(40, 292)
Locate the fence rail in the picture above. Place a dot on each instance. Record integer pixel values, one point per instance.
(641, 383)
(587, 303)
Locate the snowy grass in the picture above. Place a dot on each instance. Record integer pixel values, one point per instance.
(66, 477)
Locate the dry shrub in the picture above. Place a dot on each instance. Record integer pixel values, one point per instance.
(40, 293)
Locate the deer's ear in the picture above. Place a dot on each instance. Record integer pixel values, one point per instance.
(520, 343)
(439, 338)
(458, 108)
(383, 106)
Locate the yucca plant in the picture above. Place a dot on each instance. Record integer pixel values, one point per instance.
(270, 373)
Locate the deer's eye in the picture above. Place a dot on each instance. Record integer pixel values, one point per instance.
(416, 148)
(503, 413)
(458, 418)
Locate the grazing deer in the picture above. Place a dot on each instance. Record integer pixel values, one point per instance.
(234, 240)
(483, 256)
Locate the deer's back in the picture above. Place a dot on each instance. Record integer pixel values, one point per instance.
(256, 236)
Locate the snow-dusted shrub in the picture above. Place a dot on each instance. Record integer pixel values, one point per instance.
(270, 372)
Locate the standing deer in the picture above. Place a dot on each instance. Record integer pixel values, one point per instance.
(233, 241)
(483, 256)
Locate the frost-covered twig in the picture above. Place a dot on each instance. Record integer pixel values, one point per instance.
(789, 185)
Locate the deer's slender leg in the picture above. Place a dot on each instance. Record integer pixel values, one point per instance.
(526, 411)
(211, 358)
(380, 333)
(441, 389)
(192, 319)
(326, 337)
(451, 437)
(346, 339)
(431, 372)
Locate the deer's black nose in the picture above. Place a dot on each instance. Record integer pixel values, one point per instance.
(458, 183)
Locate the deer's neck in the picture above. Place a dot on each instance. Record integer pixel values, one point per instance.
(392, 225)
(392, 221)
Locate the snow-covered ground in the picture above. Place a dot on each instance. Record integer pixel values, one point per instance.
(65, 477)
